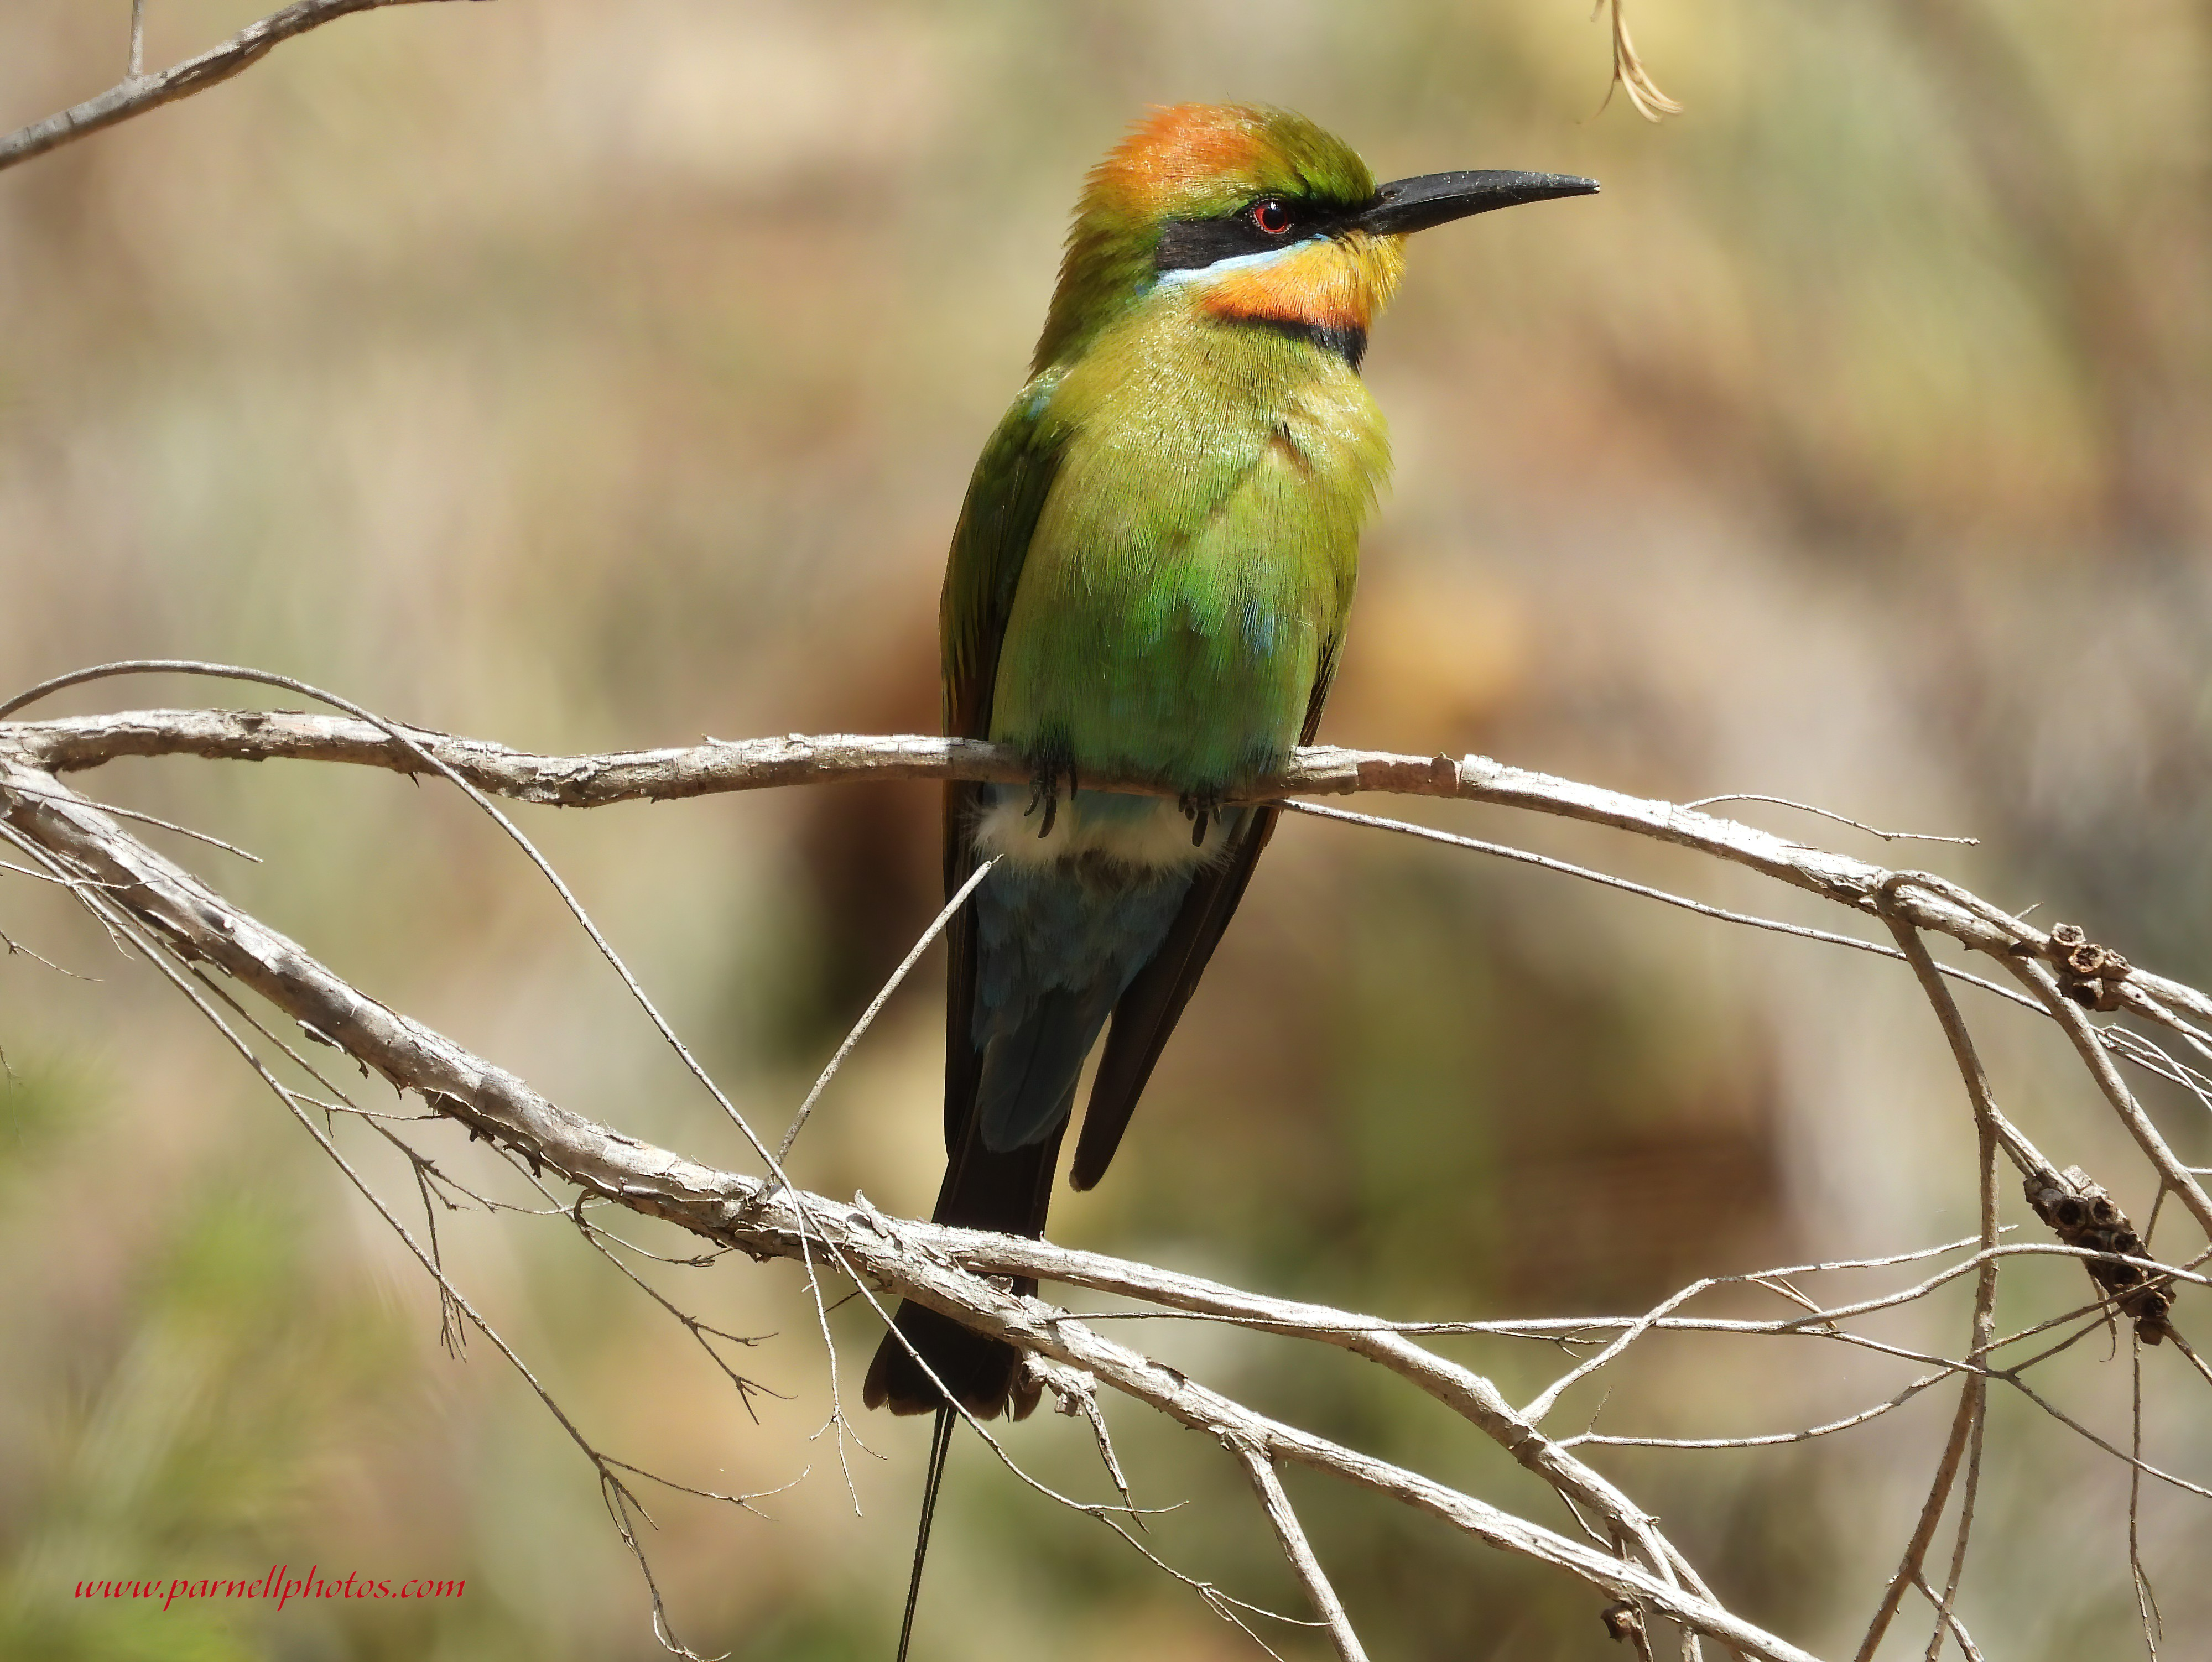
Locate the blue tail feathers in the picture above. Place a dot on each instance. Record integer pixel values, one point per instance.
(1057, 944)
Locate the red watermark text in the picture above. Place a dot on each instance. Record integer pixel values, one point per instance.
(279, 1587)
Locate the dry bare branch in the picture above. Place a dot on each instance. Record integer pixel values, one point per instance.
(138, 93)
(1291, 1535)
(1920, 899)
(770, 1219)
(73, 743)
(2180, 1181)
(1992, 1132)
(951, 1270)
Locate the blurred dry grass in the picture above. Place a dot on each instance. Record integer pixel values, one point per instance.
(585, 375)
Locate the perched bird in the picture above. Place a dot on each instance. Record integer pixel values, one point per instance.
(1149, 581)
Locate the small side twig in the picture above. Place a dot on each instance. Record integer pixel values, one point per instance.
(875, 1006)
(2146, 1597)
(1830, 814)
(1291, 1535)
(2068, 1014)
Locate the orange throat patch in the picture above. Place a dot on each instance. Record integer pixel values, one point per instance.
(1333, 283)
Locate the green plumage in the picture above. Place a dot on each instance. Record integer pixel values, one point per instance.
(1149, 584)
(1188, 575)
(1149, 581)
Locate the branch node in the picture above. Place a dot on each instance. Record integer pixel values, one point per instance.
(1624, 1625)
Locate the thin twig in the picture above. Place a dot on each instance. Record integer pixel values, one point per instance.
(939, 1267)
(660, 1024)
(719, 766)
(768, 1218)
(1075, 1391)
(1545, 862)
(1768, 1440)
(1291, 1535)
(690, 1324)
(1947, 1622)
(1829, 814)
(1991, 1131)
(139, 91)
(2068, 1015)
(165, 825)
(2194, 1360)
(803, 1242)
(2146, 1597)
(875, 1006)
(618, 1495)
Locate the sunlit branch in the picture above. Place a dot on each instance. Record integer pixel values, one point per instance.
(139, 892)
(138, 93)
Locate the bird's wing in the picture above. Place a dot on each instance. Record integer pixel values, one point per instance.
(981, 1190)
(1011, 480)
(1148, 1011)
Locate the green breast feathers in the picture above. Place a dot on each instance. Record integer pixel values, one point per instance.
(1184, 592)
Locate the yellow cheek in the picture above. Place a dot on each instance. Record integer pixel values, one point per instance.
(1336, 282)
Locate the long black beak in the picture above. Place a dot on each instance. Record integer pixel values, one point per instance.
(1415, 204)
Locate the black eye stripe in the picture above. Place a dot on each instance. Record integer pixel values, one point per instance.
(1190, 245)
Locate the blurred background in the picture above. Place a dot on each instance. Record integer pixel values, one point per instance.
(586, 376)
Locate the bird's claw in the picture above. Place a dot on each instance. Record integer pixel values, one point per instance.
(1044, 792)
(1199, 807)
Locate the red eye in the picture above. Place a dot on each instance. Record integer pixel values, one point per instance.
(1272, 216)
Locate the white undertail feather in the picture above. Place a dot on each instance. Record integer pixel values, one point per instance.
(1156, 838)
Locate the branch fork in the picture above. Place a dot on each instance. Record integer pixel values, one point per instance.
(968, 1276)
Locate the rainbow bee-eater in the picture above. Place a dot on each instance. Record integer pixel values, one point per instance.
(1149, 582)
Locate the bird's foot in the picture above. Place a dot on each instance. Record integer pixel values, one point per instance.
(1044, 790)
(1199, 807)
